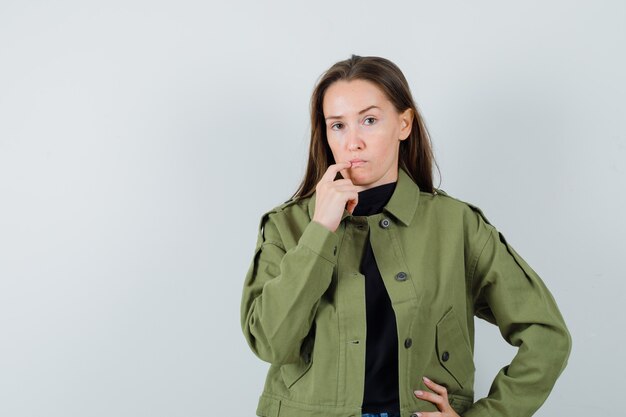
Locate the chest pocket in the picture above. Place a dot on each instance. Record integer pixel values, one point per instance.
(453, 351)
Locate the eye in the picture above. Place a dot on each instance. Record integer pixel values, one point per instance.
(370, 120)
(336, 126)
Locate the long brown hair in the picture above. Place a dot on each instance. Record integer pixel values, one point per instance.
(416, 155)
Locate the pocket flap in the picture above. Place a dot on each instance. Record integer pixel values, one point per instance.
(452, 349)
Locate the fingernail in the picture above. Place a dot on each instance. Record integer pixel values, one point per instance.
(418, 393)
(426, 379)
(416, 415)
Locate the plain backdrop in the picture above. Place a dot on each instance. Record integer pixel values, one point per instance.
(140, 142)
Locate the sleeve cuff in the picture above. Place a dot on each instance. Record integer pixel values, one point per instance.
(321, 241)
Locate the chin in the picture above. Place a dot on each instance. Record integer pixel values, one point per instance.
(362, 180)
(359, 177)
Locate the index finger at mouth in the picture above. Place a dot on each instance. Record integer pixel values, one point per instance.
(332, 170)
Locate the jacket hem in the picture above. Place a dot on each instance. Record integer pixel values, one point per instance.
(276, 406)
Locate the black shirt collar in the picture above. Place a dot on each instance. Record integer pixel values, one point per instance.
(372, 200)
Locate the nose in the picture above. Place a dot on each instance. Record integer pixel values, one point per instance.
(354, 141)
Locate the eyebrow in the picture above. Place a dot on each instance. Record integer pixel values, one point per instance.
(361, 112)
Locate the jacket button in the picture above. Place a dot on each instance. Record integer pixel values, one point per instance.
(384, 223)
(335, 250)
(408, 342)
(307, 358)
(445, 356)
(401, 276)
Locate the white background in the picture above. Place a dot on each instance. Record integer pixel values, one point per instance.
(140, 142)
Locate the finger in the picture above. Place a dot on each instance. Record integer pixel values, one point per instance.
(346, 191)
(332, 170)
(353, 198)
(352, 203)
(336, 186)
(439, 389)
(427, 414)
(431, 398)
(343, 183)
(348, 195)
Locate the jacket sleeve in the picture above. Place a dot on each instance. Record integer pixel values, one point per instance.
(282, 289)
(508, 293)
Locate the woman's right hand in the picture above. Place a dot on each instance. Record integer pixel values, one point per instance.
(332, 196)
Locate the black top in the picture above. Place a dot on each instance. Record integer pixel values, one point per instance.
(381, 349)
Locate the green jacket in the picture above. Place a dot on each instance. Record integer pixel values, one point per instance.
(442, 263)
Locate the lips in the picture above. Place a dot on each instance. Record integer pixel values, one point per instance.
(357, 163)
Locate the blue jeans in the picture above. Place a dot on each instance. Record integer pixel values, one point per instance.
(381, 415)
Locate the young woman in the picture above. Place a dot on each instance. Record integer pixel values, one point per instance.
(364, 285)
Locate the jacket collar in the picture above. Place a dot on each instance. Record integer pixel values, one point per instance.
(402, 204)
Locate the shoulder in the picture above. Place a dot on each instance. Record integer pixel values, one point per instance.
(294, 210)
(465, 218)
(291, 207)
(450, 202)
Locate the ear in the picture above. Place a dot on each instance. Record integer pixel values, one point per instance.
(406, 123)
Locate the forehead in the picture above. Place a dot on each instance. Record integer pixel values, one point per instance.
(352, 96)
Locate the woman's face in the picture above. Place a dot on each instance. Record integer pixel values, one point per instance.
(362, 124)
